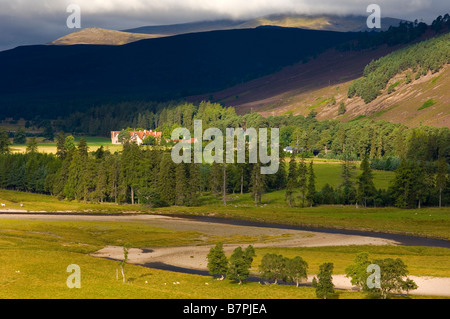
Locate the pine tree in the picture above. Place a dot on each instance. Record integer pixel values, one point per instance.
(292, 181)
(69, 144)
(257, 184)
(441, 177)
(101, 182)
(216, 179)
(166, 178)
(60, 145)
(131, 165)
(32, 146)
(89, 177)
(302, 180)
(347, 187)
(4, 141)
(83, 148)
(113, 176)
(181, 186)
(311, 188)
(224, 183)
(73, 188)
(408, 185)
(194, 184)
(20, 137)
(366, 188)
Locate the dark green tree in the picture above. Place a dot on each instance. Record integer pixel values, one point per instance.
(60, 145)
(4, 141)
(32, 146)
(257, 184)
(324, 282)
(366, 190)
(167, 182)
(20, 137)
(302, 181)
(347, 188)
(217, 261)
(441, 178)
(48, 133)
(292, 181)
(311, 188)
(181, 184)
(238, 268)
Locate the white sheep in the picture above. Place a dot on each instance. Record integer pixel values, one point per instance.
(3, 205)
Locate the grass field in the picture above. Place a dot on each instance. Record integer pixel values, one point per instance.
(34, 256)
(94, 142)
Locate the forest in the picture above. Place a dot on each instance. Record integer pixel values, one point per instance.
(417, 60)
(147, 175)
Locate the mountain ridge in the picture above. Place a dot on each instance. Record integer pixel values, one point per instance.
(336, 23)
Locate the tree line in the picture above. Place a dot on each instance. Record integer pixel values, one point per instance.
(149, 176)
(276, 267)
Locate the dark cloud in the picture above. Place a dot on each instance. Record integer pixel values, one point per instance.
(40, 21)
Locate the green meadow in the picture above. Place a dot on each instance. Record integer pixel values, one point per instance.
(35, 255)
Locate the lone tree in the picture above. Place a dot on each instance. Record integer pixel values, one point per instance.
(324, 284)
(123, 262)
(217, 261)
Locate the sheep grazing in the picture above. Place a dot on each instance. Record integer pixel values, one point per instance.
(3, 205)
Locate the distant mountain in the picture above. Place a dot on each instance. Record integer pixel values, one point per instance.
(318, 22)
(101, 36)
(311, 22)
(182, 28)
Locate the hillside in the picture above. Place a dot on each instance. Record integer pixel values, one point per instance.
(422, 102)
(101, 36)
(40, 81)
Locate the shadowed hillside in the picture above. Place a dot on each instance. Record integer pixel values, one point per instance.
(57, 80)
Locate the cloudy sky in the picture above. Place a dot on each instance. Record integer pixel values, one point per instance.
(24, 22)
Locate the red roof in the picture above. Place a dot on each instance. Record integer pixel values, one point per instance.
(140, 134)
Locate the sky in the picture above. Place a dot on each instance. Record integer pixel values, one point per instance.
(27, 22)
